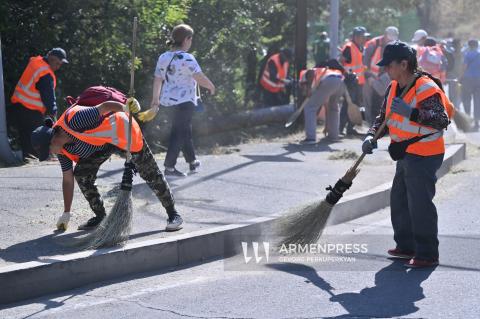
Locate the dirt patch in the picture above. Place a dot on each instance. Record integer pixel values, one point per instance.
(343, 155)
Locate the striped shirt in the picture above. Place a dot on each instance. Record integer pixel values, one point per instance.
(83, 120)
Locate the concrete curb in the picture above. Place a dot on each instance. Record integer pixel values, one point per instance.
(59, 273)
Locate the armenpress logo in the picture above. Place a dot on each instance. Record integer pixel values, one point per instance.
(256, 253)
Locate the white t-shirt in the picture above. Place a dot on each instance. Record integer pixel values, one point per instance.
(178, 83)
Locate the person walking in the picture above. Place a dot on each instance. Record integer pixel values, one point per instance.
(177, 75)
(88, 136)
(418, 118)
(34, 96)
(470, 80)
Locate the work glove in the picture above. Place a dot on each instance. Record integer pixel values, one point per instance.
(62, 222)
(400, 107)
(132, 105)
(369, 145)
(147, 115)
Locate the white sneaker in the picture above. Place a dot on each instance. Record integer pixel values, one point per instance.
(174, 223)
(62, 222)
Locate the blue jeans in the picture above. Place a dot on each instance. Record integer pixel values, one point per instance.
(471, 88)
(413, 213)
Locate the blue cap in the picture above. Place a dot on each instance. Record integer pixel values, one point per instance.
(59, 53)
(40, 139)
(395, 51)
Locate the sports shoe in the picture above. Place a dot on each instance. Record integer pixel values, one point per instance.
(308, 141)
(174, 172)
(421, 263)
(92, 222)
(174, 222)
(194, 166)
(403, 254)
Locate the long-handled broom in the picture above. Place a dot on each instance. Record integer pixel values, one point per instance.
(305, 225)
(115, 228)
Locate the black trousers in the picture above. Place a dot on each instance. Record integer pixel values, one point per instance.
(413, 213)
(181, 134)
(25, 121)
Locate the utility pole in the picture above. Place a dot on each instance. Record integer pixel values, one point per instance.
(6, 154)
(301, 36)
(334, 18)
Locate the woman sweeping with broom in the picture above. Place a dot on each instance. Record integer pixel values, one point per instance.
(415, 112)
(415, 125)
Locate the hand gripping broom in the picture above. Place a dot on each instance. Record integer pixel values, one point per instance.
(115, 228)
(305, 225)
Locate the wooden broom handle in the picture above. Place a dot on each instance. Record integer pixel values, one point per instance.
(132, 89)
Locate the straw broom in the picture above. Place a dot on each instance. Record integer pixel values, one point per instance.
(116, 227)
(305, 225)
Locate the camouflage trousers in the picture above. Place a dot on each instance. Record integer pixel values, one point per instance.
(86, 170)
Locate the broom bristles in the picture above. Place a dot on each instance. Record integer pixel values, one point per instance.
(115, 228)
(304, 225)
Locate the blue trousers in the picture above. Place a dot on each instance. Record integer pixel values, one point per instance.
(413, 213)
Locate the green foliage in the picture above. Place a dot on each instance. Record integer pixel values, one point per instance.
(230, 38)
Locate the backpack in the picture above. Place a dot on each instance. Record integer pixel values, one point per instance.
(95, 95)
(431, 60)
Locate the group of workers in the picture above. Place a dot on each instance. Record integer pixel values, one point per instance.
(84, 137)
(413, 105)
(400, 85)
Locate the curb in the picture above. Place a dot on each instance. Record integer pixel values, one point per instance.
(58, 273)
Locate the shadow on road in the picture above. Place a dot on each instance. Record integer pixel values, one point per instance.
(395, 293)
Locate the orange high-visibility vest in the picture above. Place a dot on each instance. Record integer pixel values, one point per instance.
(377, 54)
(356, 65)
(319, 75)
(282, 70)
(113, 130)
(401, 128)
(25, 92)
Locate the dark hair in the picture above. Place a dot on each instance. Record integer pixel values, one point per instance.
(179, 34)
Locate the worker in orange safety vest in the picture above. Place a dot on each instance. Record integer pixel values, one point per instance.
(274, 81)
(34, 96)
(417, 112)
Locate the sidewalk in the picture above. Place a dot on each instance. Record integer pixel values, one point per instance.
(258, 180)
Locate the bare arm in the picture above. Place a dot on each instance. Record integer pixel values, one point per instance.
(157, 87)
(205, 82)
(68, 184)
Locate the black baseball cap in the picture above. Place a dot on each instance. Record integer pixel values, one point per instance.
(396, 50)
(59, 53)
(40, 139)
(360, 31)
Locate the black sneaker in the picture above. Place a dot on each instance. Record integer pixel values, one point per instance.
(194, 166)
(174, 172)
(92, 222)
(174, 222)
(308, 141)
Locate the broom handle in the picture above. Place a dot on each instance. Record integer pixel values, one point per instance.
(382, 127)
(132, 89)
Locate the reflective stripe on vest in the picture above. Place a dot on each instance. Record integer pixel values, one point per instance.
(401, 128)
(282, 70)
(113, 130)
(26, 92)
(356, 65)
(377, 54)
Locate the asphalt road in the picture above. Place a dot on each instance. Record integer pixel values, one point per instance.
(370, 286)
